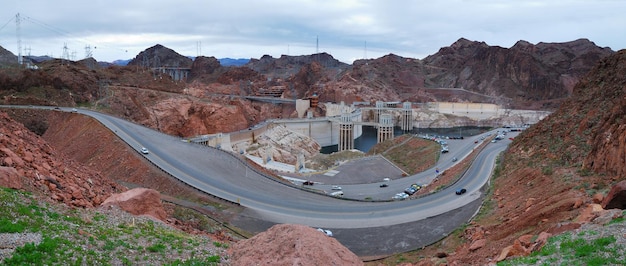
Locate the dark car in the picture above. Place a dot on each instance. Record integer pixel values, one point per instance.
(308, 183)
(460, 191)
(384, 185)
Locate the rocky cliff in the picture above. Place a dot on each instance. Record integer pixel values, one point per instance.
(27, 162)
(552, 170)
(542, 74)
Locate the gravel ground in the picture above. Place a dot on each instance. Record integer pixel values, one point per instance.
(10, 241)
(591, 244)
(107, 236)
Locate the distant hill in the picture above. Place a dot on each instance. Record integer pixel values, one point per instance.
(121, 62)
(223, 61)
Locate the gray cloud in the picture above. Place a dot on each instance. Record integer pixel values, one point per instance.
(247, 28)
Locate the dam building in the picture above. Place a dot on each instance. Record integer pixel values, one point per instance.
(341, 125)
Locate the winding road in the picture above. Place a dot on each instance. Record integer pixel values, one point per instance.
(368, 228)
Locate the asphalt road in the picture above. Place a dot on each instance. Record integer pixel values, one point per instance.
(366, 228)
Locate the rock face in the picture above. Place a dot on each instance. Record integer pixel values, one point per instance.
(521, 73)
(285, 145)
(9, 178)
(139, 201)
(616, 199)
(28, 162)
(290, 244)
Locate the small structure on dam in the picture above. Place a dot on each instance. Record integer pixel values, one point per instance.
(346, 133)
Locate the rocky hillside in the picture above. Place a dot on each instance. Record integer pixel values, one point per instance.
(553, 173)
(28, 162)
(522, 74)
(525, 76)
(6, 57)
(160, 56)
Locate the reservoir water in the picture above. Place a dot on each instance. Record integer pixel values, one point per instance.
(368, 139)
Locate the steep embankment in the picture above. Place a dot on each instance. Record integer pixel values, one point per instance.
(29, 163)
(552, 171)
(90, 143)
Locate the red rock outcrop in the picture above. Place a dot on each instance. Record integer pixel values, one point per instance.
(616, 199)
(28, 162)
(291, 244)
(139, 201)
(10, 178)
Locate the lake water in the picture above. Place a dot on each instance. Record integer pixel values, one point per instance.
(368, 139)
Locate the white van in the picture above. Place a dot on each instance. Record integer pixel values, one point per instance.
(337, 194)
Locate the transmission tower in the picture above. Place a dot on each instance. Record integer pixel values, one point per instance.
(317, 44)
(19, 38)
(88, 52)
(66, 55)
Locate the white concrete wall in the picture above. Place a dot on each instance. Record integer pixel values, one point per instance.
(472, 110)
(302, 106)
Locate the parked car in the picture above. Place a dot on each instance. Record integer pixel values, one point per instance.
(74, 110)
(400, 196)
(144, 150)
(308, 183)
(336, 188)
(325, 231)
(410, 190)
(460, 191)
(338, 194)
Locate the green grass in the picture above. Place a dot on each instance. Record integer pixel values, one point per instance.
(569, 249)
(88, 237)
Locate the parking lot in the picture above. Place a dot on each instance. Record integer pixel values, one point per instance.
(360, 171)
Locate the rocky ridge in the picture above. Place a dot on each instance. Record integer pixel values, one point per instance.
(29, 163)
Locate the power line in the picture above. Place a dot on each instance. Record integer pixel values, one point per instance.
(53, 29)
(5, 24)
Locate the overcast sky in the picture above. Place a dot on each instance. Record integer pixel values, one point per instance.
(346, 29)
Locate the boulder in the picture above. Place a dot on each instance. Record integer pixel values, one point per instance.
(515, 250)
(291, 244)
(9, 178)
(616, 199)
(139, 201)
(588, 213)
(597, 198)
(477, 244)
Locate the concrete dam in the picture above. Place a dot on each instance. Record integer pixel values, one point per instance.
(344, 123)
